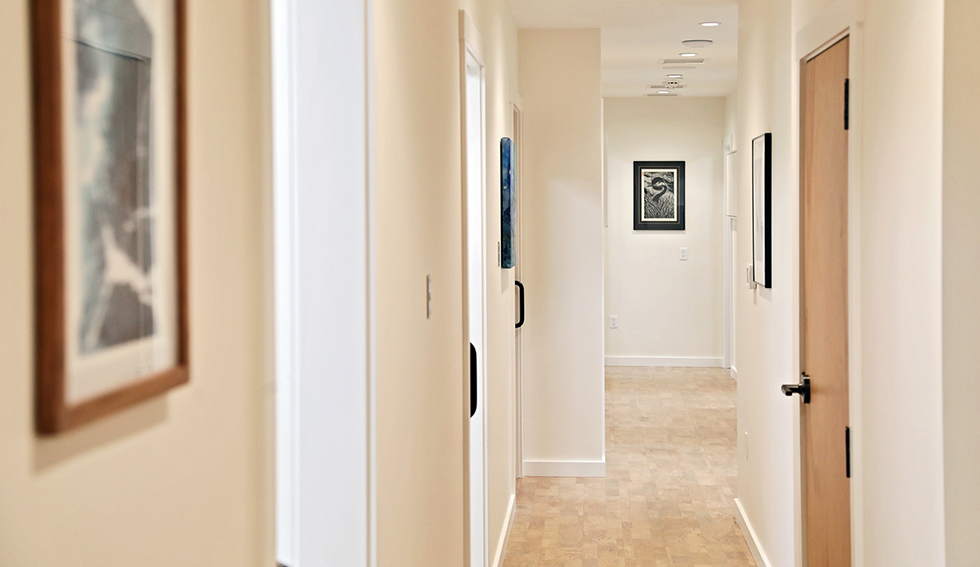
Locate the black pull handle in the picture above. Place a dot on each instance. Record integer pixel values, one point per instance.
(802, 389)
(473, 389)
(520, 287)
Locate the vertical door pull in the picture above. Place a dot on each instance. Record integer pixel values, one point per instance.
(520, 288)
(473, 389)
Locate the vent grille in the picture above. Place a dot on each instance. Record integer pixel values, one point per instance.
(684, 61)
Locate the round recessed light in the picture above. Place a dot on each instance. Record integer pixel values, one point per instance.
(675, 76)
(710, 24)
(698, 43)
(689, 54)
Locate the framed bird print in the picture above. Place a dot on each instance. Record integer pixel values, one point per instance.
(658, 195)
(109, 198)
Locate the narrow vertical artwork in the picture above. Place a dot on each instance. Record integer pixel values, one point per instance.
(508, 205)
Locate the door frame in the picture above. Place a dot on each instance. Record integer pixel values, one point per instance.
(517, 115)
(321, 215)
(843, 18)
(471, 46)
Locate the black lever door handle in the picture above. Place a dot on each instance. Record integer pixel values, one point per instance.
(803, 389)
(473, 388)
(520, 287)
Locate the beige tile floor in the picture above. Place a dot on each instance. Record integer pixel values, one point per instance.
(670, 480)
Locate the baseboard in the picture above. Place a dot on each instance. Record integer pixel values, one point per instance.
(677, 362)
(750, 537)
(734, 373)
(498, 558)
(595, 469)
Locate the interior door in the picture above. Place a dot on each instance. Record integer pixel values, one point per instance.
(518, 341)
(825, 301)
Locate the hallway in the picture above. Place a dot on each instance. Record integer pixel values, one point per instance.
(667, 496)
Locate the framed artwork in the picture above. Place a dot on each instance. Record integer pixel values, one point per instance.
(109, 200)
(762, 210)
(508, 205)
(658, 195)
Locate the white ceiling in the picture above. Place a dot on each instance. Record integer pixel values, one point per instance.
(638, 34)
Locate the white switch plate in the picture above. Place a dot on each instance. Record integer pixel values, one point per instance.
(614, 322)
(683, 253)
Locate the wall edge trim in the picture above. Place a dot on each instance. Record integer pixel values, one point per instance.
(498, 560)
(751, 539)
(584, 469)
(677, 362)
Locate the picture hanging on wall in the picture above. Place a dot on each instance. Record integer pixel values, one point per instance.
(508, 204)
(762, 210)
(110, 244)
(658, 195)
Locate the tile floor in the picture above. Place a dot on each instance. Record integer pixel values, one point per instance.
(670, 479)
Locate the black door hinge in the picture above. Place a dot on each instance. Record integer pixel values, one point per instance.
(847, 448)
(847, 104)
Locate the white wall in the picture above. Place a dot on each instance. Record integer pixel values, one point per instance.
(422, 364)
(182, 479)
(961, 294)
(898, 476)
(563, 263)
(667, 308)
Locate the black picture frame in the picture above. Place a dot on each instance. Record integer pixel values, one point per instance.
(655, 183)
(762, 210)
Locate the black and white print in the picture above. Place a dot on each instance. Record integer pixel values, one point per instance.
(659, 195)
(113, 54)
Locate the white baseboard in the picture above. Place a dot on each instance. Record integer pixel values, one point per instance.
(678, 362)
(498, 558)
(734, 373)
(750, 537)
(595, 469)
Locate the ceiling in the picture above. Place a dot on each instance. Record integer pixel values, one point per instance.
(638, 34)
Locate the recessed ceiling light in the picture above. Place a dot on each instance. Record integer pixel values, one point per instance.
(663, 92)
(675, 76)
(710, 24)
(689, 54)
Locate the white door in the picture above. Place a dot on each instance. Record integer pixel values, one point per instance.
(475, 198)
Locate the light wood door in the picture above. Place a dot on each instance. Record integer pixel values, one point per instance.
(825, 356)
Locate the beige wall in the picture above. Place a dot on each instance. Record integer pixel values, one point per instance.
(666, 308)
(422, 406)
(961, 292)
(898, 284)
(563, 261)
(180, 480)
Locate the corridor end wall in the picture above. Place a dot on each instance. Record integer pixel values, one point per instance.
(669, 311)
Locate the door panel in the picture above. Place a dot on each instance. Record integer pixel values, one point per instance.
(825, 324)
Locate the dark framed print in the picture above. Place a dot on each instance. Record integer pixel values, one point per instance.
(109, 201)
(508, 205)
(658, 195)
(762, 210)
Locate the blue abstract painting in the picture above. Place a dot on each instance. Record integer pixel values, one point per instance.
(508, 205)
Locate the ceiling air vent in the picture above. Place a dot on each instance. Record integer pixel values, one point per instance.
(684, 61)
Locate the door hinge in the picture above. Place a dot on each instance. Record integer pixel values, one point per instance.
(847, 448)
(847, 104)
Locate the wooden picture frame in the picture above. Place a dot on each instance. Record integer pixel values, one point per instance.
(110, 222)
(659, 195)
(762, 210)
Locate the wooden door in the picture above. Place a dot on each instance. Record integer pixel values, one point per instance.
(825, 336)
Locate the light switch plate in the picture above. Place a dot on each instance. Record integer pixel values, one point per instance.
(614, 322)
(683, 254)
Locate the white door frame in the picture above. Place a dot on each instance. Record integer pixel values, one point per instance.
(843, 18)
(518, 137)
(322, 201)
(472, 50)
